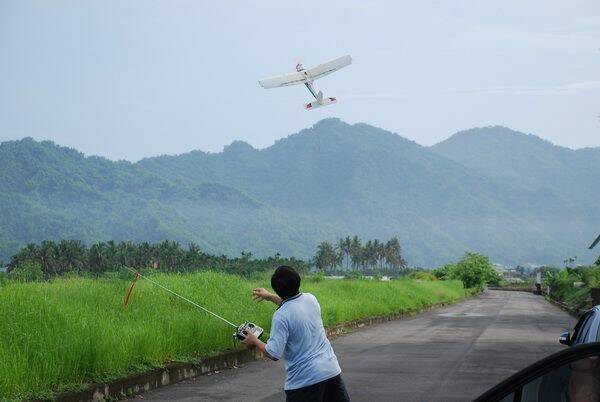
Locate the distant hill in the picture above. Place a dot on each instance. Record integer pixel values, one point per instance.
(513, 196)
(526, 160)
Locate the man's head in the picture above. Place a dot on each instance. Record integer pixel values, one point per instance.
(285, 282)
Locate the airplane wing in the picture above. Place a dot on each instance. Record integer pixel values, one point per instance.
(595, 242)
(283, 80)
(327, 68)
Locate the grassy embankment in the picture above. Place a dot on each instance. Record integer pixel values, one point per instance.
(65, 333)
(572, 286)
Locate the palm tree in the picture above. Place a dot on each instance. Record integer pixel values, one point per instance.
(356, 252)
(47, 253)
(326, 256)
(344, 249)
(370, 254)
(97, 258)
(393, 254)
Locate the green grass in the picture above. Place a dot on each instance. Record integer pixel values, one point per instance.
(66, 333)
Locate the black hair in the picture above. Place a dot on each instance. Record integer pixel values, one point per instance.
(285, 281)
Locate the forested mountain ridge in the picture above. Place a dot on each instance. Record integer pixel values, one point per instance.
(327, 181)
(52, 192)
(525, 160)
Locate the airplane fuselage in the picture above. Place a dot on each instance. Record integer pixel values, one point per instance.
(309, 84)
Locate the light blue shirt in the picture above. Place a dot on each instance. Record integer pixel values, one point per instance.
(297, 335)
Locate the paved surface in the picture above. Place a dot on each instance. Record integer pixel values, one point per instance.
(449, 354)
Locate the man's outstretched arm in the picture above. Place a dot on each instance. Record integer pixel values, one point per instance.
(260, 294)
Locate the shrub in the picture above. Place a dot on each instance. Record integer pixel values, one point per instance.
(475, 271)
(27, 271)
(442, 272)
(422, 276)
(353, 275)
(572, 285)
(315, 278)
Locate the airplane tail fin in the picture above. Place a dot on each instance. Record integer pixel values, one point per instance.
(324, 102)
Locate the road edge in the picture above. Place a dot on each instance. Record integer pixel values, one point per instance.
(173, 373)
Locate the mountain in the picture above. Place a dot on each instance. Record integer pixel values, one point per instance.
(526, 160)
(510, 195)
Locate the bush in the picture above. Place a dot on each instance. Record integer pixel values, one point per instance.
(475, 271)
(422, 276)
(572, 285)
(353, 275)
(27, 271)
(315, 278)
(442, 272)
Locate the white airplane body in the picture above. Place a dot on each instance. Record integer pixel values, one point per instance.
(307, 77)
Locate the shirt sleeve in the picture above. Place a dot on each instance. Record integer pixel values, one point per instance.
(278, 338)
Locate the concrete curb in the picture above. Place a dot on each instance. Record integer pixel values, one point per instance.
(175, 372)
(565, 307)
(159, 377)
(527, 290)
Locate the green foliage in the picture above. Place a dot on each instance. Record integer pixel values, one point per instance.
(422, 276)
(66, 332)
(73, 257)
(27, 271)
(442, 272)
(316, 278)
(474, 270)
(374, 256)
(326, 257)
(563, 285)
(353, 275)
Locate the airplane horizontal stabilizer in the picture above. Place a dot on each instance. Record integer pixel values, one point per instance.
(316, 104)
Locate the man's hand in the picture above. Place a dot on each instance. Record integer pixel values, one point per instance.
(251, 340)
(260, 294)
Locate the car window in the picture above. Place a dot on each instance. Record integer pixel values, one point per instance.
(579, 324)
(576, 382)
(571, 375)
(581, 335)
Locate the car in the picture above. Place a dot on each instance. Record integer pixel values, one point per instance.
(572, 374)
(586, 330)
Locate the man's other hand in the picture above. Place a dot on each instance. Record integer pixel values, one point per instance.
(260, 294)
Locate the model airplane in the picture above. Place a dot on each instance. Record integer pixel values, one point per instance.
(307, 77)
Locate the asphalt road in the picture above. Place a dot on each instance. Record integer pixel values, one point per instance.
(448, 354)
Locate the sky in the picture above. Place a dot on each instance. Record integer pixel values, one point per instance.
(128, 79)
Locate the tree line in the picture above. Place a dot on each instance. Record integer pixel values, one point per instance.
(350, 254)
(64, 256)
(53, 258)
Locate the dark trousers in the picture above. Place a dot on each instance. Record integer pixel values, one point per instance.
(331, 390)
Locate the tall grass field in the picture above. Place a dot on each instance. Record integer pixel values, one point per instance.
(68, 332)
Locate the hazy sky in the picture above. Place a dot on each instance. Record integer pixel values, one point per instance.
(128, 79)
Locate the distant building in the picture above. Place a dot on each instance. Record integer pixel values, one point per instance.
(3, 269)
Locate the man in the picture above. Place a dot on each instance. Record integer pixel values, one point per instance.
(297, 335)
